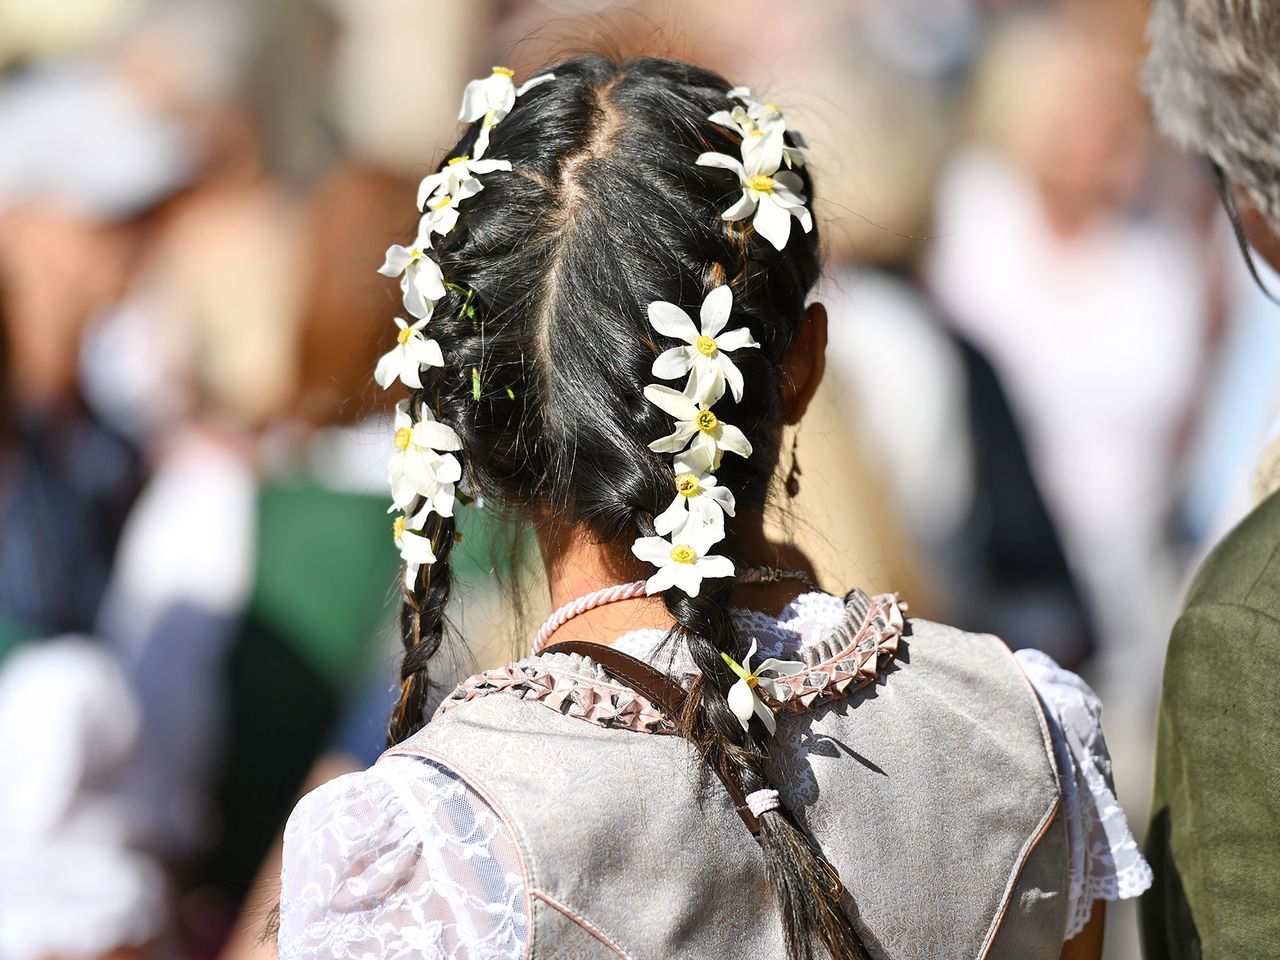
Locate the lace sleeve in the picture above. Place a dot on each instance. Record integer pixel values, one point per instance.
(1105, 863)
(402, 860)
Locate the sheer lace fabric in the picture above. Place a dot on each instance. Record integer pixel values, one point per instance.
(403, 860)
(406, 860)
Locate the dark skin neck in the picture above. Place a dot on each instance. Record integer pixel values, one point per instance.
(577, 566)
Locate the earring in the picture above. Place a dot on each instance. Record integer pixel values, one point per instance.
(792, 484)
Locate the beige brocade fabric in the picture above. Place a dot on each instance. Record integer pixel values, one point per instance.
(933, 792)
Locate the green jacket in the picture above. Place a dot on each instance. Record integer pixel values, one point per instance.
(1214, 840)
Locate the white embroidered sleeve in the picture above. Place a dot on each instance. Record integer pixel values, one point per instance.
(1105, 863)
(402, 860)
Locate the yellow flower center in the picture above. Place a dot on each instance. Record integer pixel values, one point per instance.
(415, 253)
(454, 161)
(504, 71)
(402, 438)
(683, 553)
(756, 133)
(752, 680)
(444, 202)
(706, 421)
(706, 345)
(687, 484)
(405, 335)
(770, 106)
(762, 183)
(397, 528)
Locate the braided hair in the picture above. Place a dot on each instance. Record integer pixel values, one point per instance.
(547, 352)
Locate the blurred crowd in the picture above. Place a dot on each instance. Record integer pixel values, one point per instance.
(1049, 376)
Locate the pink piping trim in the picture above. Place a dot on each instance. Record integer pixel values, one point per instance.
(502, 815)
(1045, 822)
(582, 922)
(622, 591)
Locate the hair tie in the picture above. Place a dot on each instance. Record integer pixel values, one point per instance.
(762, 801)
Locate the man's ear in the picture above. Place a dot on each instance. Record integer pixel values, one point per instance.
(1262, 235)
(804, 363)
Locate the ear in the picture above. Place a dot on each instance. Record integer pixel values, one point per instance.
(1262, 236)
(804, 363)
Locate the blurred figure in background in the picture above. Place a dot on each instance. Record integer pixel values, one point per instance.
(1090, 308)
(1214, 840)
(84, 164)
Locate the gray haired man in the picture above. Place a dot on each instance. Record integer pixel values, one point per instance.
(1214, 843)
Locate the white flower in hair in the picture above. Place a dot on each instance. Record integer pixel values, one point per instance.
(697, 428)
(421, 281)
(773, 197)
(700, 500)
(492, 98)
(683, 561)
(743, 699)
(406, 359)
(764, 115)
(457, 179)
(421, 465)
(706, 356)
(415, 550)
(753, 129)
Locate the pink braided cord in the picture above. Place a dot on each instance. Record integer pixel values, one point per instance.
(623, 591)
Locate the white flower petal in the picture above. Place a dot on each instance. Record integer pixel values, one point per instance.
(745, 206)
(736, 339)
(715, 310)
(388, 368)
(425, 352)
(733, 440)
(660, 582)
(653, 550)
(722, 160)
(762, 154)
(782, 668)
(448, 470)
(674, 517)
(669, 319)
(671, 401)
(675, 441)
(772, 222)
(730, 373)
(488, 166)
(714, 567)
(766, 716)
(687, 577)
(672, 363)
(742, 701)
(397, 259)
(435, 435)
(533, 82)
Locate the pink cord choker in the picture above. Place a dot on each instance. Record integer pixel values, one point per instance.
(629, 591)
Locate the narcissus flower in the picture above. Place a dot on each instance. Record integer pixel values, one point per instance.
(406, 359)
(705, 358)
(415, 550)
(421, 281)
(421, 465)
(492, 98)
(743, 699)
(773, 197)
(459, 178)
(697, 428)
(700, 500)
(683, 561)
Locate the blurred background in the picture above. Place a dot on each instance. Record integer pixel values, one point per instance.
(1048, 383)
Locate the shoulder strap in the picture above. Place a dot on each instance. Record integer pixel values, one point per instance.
(658, 688)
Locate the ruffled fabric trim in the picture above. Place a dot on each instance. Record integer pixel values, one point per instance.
(570, 685)
(847, 659)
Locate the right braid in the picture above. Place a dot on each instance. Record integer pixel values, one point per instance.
(811, 897)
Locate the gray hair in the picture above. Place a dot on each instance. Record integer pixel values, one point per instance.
(1213, 77)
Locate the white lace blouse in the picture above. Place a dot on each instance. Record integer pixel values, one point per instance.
(405, 860)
